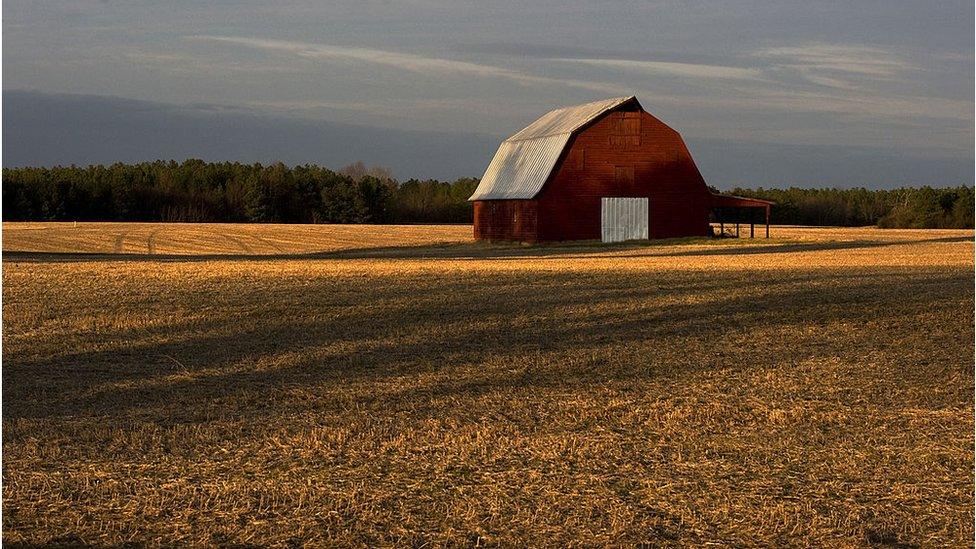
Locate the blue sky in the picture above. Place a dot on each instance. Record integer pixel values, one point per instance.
(765, 93)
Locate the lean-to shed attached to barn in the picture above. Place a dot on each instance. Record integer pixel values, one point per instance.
(605, 169)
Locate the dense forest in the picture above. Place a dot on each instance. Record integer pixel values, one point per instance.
(198, 191)
(906, 207)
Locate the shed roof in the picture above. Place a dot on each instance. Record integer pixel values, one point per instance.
(525, 160)
(732, 201)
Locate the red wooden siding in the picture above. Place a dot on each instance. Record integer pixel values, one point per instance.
(506, 220)
(619, 161)
(626, 153)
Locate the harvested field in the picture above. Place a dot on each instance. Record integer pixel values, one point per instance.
(407, 386)
(219, 238)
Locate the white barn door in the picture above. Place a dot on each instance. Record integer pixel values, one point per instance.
(623, 219)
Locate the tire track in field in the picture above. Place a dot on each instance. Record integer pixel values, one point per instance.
(267, 242)
(240, 243)
(119, 240)
(151, 242)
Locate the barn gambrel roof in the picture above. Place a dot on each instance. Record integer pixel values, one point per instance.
(524, 161)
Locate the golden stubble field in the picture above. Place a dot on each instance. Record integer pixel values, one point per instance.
(338, 385)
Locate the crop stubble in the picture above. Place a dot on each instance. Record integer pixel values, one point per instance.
(391, 386)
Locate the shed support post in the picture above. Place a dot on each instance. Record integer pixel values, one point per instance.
(767, 220)
(752, 229)
(737, 228)
(721, 222)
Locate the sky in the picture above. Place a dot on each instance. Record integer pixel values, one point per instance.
(868, 93)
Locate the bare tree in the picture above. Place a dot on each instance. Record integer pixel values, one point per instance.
(357, 171)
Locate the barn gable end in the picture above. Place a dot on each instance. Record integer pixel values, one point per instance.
(547, 180)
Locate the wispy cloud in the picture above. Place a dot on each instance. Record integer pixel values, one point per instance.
(408, 62)
(835, 80)
(866, 105)
(436, 114)
(690, 70)
(842, 66)
(192, 64)
(842, 58)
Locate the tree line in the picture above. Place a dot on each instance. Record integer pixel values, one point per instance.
(198, 191)
(906, 207)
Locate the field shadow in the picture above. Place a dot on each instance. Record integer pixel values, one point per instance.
(187, 372)
(501, 251)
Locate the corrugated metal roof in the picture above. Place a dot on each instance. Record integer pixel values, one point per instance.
(520, 168)
(524, 161)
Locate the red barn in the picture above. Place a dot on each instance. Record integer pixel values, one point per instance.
(599, 169)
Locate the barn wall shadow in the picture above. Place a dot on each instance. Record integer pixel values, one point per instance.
(499, 251)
